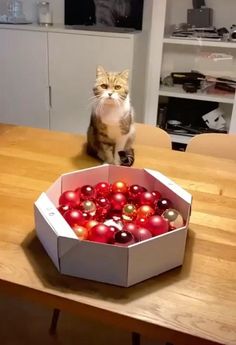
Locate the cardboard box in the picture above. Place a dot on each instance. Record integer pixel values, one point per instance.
(123, 266)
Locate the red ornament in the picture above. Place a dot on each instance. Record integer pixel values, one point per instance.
(146, 198)
(70, 197)
(157, 225)
(81, 232)
(113, 231)
(87, 216)
(103, 206)
(100, 233)
(124, 238)
(118, 200)
(119, 187)
(74, 217)
(87, 192)
(141, 221)
(134, 192)
(102, 189)
(141, 234)
(157, 195)
(63, 208)
(145, 211)
(162, 205)
(130, 227)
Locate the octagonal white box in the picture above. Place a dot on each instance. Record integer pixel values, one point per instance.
(123, 266)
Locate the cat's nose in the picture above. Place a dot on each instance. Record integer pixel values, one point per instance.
(109, 94)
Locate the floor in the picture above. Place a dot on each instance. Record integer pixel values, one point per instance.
(24, 323)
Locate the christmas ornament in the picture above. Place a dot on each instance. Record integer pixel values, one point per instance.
(102, 189)
(74, 217)
(100, 233)
(119, 187)
(130, 227)
(69, 197)
(87, 216)
(81, 232)
(113, 231)
(124, 238)
(88, 206)
(112, 223)
(141, 221)
(174, 218)
(147, 198)
(118, 200)
(162, 205)
(157, 225)
(63, 208)
(134, 192)
(87, 192)
(103, 206)
(141, 234)
(157, 195)
(129, 212)
(145, 211)
(90, 223)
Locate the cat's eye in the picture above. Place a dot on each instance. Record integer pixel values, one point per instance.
(117, 87)
(104, 86)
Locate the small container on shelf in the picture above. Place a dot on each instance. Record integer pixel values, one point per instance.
(44, 14)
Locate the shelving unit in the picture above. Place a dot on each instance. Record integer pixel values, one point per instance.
(215, 58)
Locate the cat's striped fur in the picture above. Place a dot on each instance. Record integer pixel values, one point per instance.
(111, 127)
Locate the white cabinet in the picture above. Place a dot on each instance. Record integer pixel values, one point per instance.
(73, 59)
(24, 78)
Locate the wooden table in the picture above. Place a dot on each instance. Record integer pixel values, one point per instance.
(192, 305)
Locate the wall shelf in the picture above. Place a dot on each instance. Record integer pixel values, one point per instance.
(199, 42)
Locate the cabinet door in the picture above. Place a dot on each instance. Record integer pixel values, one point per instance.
(24, 97)
(72, 70)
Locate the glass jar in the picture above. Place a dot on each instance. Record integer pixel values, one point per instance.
(44, 13)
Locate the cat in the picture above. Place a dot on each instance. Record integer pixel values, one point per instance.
(111, 130)
(111, 12)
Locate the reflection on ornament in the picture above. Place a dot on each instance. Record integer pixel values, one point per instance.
(119, 187)
(145, 211)
(174, 218)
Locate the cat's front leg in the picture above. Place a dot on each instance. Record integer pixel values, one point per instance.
(120, 146)
(105, 153)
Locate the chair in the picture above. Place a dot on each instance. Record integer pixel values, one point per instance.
(151, 136)
(214, 144)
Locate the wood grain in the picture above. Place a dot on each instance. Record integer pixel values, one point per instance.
(194, 304)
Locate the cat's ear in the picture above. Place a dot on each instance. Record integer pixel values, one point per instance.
(100, 72)
(125, 74)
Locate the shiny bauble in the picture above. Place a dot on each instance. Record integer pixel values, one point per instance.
(157, 225)
(88, 206)
(119, 187)
(123, 238)
(141, 221)
(141, 234)
(129, 213)
(130, 227)
(157, 195)
(74, 217)
(63, 208)
(113, 231)
(174, 218)
(81, 232)
(146, 198)
(145, 211)
(103, 206)
(71, 198)
(87, 216)
(102, 189)
(134, 192)
(90, 224)
(117, 200)
(100, 233)
(162, 205)
(87, 192)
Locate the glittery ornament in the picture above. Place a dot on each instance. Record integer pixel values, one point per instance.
(174, 218)
(134, 192)
(162, 205)
(103, 206)
(157, 225)
(119, 187)
(102, 189)
(145, 211)
(87, 192)
(70, 197)
(81, 232)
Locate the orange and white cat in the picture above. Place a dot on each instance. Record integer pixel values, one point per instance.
(111, 129)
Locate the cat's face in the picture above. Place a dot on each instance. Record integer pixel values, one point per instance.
(111, 87)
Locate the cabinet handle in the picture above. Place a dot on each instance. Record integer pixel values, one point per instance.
(50, 96)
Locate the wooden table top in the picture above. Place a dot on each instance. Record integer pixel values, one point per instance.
(191, 305)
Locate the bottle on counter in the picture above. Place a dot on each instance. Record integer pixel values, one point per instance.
(44, 14)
